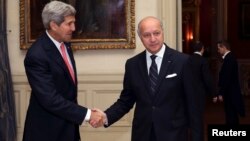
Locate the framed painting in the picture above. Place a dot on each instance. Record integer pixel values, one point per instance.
(245, 20)
(100, 24)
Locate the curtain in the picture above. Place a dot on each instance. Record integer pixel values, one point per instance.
(7, 105)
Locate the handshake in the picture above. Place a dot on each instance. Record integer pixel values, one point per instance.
(98, 118)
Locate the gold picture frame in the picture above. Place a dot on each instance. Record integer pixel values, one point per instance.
(113, 27)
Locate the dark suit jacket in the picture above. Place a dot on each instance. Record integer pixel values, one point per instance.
(202, 78)
(53, 113)
(229, 86)
(171, 111)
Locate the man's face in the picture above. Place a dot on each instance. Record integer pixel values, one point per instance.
(221, 49)
(63, 32)
(151, 35)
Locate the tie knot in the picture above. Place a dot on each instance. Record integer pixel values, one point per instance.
(153, 57)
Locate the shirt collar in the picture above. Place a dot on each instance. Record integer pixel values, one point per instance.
(158, 54)
(197, 52)
(54, 41)
(225, 54)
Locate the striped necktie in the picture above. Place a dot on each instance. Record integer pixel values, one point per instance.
(153, 74)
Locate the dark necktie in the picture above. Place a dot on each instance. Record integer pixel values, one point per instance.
(153, 74)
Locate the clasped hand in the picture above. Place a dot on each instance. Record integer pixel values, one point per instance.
(98, 118)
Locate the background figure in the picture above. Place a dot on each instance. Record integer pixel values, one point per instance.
(202, 76)
(229, 86)
(100, 19)
(53, 113)
(201, 71)
(87, 20)
(161, 90)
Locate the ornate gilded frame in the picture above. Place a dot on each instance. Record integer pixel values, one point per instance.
(127, 41)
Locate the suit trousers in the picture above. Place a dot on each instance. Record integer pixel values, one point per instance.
(152, 134)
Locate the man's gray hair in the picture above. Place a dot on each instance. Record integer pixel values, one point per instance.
(149, 17)
(56, 11)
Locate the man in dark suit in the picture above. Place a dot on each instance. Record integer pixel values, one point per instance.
(202, 76)
(53, 113)
(229, 86)
(168, 110)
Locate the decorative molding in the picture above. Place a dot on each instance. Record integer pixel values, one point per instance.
(94, 90)
(167, 12)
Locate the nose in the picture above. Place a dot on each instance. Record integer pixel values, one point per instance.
(73, 27)
(152, 38)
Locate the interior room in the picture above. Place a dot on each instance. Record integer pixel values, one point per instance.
(100, 55)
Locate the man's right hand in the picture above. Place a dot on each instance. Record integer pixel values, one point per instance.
(97, 118)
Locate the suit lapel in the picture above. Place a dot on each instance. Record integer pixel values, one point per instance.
(54, 54)
(143, 70)
(166, 63)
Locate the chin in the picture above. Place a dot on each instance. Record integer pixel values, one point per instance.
(156, 49)
(68, 39)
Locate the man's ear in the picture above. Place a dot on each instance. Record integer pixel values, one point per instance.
(53, 25)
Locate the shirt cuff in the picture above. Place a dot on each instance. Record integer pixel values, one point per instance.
(105, 120)
(87, 117)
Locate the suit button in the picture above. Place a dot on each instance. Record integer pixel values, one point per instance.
(153, 107)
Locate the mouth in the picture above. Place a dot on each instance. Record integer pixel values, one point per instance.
(69, 35)
(154, 45)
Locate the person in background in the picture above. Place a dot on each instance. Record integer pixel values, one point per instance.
(229, 86)
(202, 76)
(53, 112)
(158, 81)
